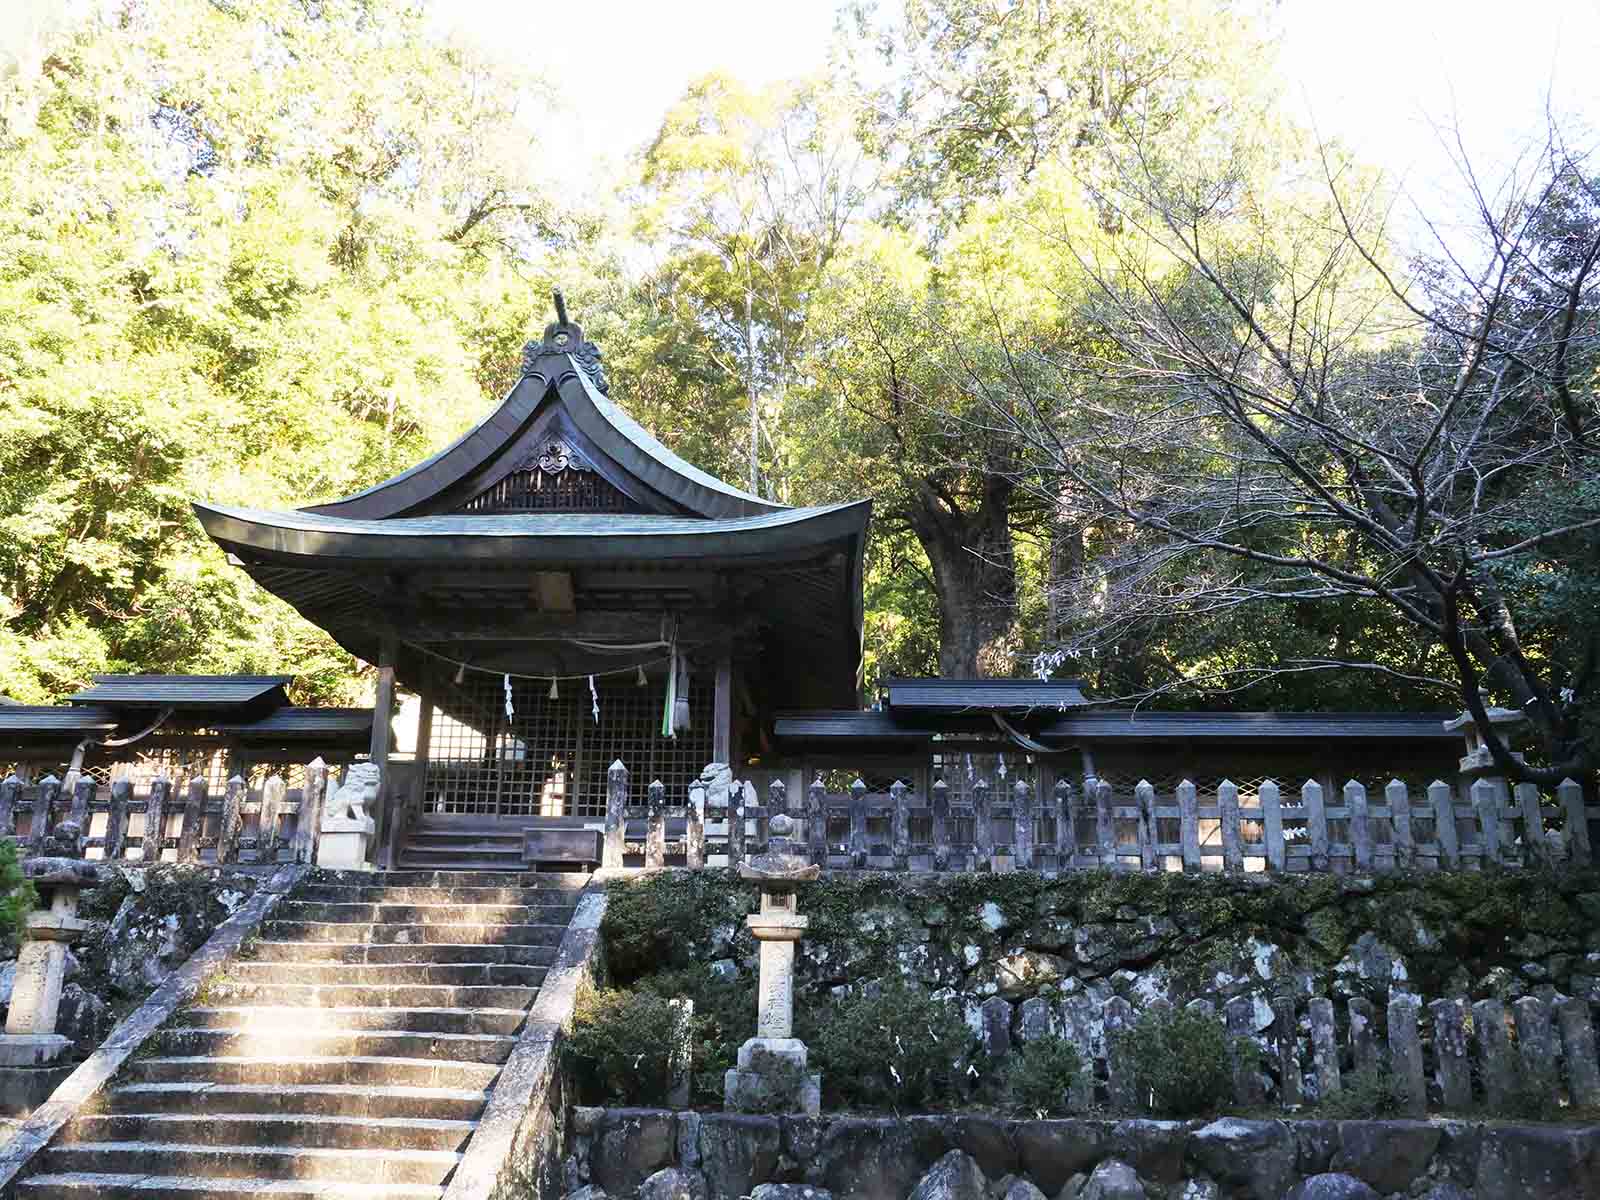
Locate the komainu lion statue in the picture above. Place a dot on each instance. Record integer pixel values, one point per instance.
(359, 789)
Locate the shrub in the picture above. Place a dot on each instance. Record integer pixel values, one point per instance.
(1037, 1078)
(619, 1046)
(893, 1047)
(1534, 1095)
(663, 921)
(17, 897)
(1179, 1061)
(1372, 1091)
(724, 1017)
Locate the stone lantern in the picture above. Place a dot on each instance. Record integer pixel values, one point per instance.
(772, 1065)
(31, 1048)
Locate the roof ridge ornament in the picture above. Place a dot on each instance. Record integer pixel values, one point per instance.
(565, 336)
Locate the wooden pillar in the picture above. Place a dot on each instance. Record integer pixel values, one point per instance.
(378, 752)
(722, 711)
(419, 770)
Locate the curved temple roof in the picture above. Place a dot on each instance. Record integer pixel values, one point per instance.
(540, 537)
(449, 548)
(592, 415)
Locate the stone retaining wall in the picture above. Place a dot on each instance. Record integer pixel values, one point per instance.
(657, 1154)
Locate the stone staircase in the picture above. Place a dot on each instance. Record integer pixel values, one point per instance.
(348, 1054)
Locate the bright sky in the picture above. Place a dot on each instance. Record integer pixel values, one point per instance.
(1372, 72)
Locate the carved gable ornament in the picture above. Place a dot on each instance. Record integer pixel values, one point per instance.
(562, 336)
(552, 475)
(554, 457)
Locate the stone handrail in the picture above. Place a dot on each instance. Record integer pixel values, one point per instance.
(133, 1030)
(520, 1134)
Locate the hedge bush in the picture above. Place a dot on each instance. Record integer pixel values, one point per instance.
(619, 1046)
(1179, 1061)
(892, 1047)
(1036, 1079)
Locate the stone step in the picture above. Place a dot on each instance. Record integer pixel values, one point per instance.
(80, 1184)
(303, 1130)
(426, 914)
(456, 933)
(436, 837)
(326, 1043)
(564, 881)
(256, 1018)
(291, 1071)
(460, 858)
(379, 974)
(340, 893)
(399, 952)
(253, 1162)
(234, 993)
(325, 1099)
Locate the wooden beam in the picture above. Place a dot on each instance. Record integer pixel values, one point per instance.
(722, 710)
(378, 751)
(513, 625)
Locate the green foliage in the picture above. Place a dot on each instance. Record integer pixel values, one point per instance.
(1365, 1094)
(17, 897)
(1036, 1078)
(724, 1018)
(252, 253)
(656, 922)
(1534, 1095)
(891, 1046)
(619, 1046)
(1179, 1061)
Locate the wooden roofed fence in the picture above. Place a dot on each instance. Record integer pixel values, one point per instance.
(188, 768)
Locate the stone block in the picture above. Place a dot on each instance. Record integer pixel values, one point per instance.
(789, 1191)
(674, 1183)
(1113, 1179)
(1543, 1161)
(32, 1049)
(23, 1089)
(987, 1139)
(342, 845)
(1332, 1186)
(1154, 1148)
(869, 1158)
(1386, 1154)
(1254, 1158)
(954, 1177)
(632, 1144)
(766, 1091)
(1054, 1151)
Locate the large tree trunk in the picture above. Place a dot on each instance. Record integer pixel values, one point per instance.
(975, 575)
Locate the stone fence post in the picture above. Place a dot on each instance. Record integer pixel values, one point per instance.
(616, 815)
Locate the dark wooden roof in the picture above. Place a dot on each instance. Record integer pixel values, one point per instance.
(209, 692)
(842, 728)
(614, 443)
(297, 722)
(1250, 726)
(983, 695)
(535, 538)
(47, 720)
(443, 559)
(823, 725)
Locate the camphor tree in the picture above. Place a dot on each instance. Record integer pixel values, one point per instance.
(982, 111)
(1272, 413)
(263, 252)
